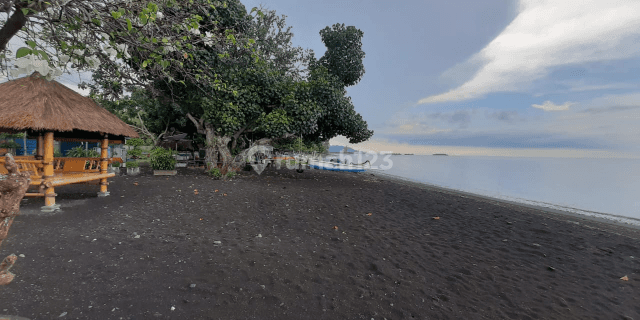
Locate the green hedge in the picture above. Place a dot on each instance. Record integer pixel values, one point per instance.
(162, 159)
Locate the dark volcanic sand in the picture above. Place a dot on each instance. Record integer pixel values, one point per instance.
(480, 260)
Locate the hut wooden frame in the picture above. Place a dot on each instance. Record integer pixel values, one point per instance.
(30, 106)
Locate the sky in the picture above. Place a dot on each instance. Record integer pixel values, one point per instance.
(530, 78)
(489, 77)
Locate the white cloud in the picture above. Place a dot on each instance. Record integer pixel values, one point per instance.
(550, 106)
(547, 34)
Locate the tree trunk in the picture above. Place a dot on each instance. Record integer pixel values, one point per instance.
(12, 189)
(211, 155)
(218, 153)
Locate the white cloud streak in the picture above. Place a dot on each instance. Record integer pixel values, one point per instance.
(550, 106)
(547, 34)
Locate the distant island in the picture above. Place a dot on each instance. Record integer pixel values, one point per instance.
(396, 154)
(408, 154)
(440, 154)
(336, 149)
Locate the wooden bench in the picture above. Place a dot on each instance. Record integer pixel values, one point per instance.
(66, 171)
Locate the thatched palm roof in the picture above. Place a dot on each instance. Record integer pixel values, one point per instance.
(35, 104)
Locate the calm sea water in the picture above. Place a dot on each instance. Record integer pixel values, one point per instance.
(586, 186)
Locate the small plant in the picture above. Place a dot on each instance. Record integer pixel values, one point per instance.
(135, 153)
(231, 174)
(132, 164)
(57, 154)
(162, 159)
(215, 173)
(115, 164)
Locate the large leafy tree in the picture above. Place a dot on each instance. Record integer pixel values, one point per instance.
(129, 42)
(270, 90)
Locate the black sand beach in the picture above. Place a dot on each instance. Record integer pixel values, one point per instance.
(267, 247)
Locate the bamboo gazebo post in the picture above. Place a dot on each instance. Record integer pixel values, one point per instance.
(40, 147)
(104, 157)
(49, 194)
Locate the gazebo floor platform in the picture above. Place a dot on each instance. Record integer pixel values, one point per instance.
(60, 179)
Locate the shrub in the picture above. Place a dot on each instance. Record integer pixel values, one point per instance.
(135, 142)
(231, 174)
(215, 173)
(162, 159)
(57, 154)
(132, 164)
(115, 164)
(135, 153)
(10, 144)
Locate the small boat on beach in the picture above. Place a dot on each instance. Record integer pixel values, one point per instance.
(336, 165)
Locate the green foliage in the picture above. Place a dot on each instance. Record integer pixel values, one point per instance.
(4, 135)
(57, 154)
(298, 145)
(344, 54)
(134, 153)
(9, 144)
(162, 159)
(135, 142)
(79, 152)
(115, 164)
(7, 141)
(131, 164)
(215, 173)
(231, 174)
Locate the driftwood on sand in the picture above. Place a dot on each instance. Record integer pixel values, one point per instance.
(13, 187)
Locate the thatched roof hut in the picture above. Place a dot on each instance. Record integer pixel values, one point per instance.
(36, 105)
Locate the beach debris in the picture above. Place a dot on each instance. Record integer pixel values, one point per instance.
(201, 219)
(62, 314)
(369, 214)
(137, 236)
(5, 276)
(625, 278)
(195, 191)
(193, 285)
(216, 190)
(536, 245)
(551, 268)
(346, 206)
(173, 308)
(436, 218)
(135, 183)
(335, 227)
(505, 240)
(259, 235)
(21, 255)
(217, 242)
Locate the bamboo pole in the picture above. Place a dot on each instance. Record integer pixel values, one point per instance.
(49, 195)
(40, 147)
(104, 162)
